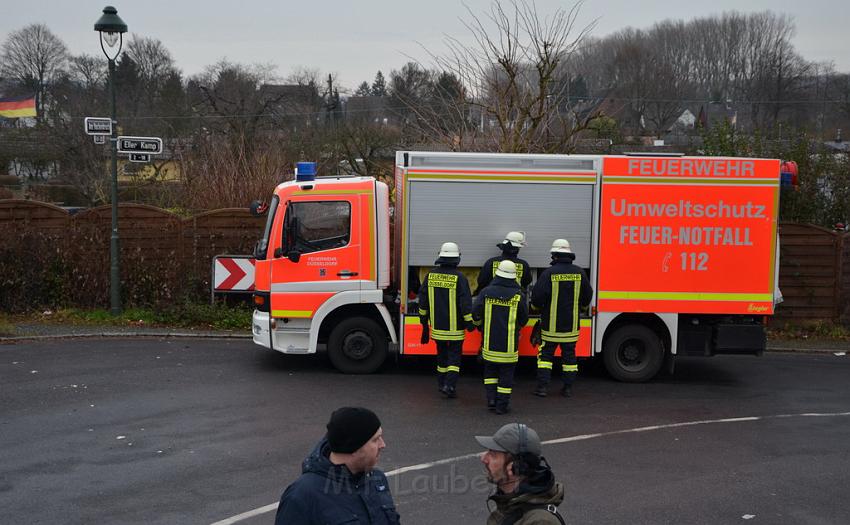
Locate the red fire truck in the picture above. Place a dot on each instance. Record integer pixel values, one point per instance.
(682, 252)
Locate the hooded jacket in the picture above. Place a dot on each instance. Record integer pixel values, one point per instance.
(527, 506)
(500, 312)
(330, 494)
(560, 292)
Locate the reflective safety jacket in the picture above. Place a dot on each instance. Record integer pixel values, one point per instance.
(488, 271)
(500, 313)
(446, 303)
(559, 292)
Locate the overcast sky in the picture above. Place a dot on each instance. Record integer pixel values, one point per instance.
(356, 38)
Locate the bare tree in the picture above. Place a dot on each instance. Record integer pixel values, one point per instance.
(154, 65)
(513, 78)
(33, 56)
(87, 70)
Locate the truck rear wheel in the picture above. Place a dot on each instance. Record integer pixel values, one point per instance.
(357, 346)
(633, 353)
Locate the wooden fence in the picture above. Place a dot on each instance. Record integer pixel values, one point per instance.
(164, 257)
(51, 254)
(814, 274)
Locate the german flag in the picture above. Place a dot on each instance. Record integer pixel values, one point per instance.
(16, 107)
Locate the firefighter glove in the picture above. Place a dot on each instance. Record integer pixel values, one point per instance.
(536, 338)
(424, 339)
(470, 326)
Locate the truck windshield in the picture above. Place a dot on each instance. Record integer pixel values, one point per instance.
(263, 244)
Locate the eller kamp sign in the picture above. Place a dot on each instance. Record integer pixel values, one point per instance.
(150, 145)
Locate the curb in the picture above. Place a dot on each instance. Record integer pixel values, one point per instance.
(798, 350)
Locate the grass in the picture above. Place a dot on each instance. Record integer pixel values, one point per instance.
(185, 315)
(814, 330)
(6, 328)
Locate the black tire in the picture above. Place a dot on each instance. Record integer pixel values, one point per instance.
(633, 353)
(357, 345)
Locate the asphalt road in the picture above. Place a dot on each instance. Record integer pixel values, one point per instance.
(197, 431)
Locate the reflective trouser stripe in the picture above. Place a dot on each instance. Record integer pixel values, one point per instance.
(503, 390)
(453, 368)
(544, 364)
(500, 357)
(570, 368)
(491, 380)
(447, 335)
(442, 369)
(559, 337)
(467, 317)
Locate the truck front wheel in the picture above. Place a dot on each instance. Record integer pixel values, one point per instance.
(357, 346)
(633, 353)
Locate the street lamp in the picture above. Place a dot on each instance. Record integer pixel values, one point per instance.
(112, 29)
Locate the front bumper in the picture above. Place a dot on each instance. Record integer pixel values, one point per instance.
(260, 328)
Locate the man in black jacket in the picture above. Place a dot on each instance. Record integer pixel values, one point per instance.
(510, 252)
(560, 292)
(339, 482)
(500, 313)
(446, 304)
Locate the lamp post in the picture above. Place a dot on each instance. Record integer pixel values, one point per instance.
(112, 29)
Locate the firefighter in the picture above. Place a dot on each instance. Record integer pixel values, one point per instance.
(510, 250)
(560, 291)
(445, 303)
(500, 312)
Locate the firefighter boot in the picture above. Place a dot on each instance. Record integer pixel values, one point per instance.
(540, 391)
(567, 391)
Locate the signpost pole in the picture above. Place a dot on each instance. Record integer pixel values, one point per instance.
(114, 274)
(111, 29)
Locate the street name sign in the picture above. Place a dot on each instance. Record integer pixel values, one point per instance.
(98, 126)
(151, 145)
(140, 157)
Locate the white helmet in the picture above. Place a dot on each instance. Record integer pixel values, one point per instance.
(561, 246)
(516, 239)
(449, 249)
(506, 269)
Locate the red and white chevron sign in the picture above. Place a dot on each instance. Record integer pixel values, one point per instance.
(233, 274)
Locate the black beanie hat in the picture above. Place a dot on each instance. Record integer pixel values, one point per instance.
(350, 428)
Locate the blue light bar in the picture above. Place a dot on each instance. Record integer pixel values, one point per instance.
(305, 171)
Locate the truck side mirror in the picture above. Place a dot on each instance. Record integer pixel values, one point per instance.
(258, 208)
(294, 255)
